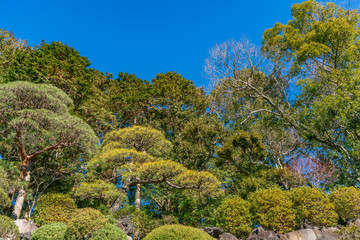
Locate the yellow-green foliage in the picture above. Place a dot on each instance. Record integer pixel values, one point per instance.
(109, 232)
(99, 192)
(273, 209)
(54, 207)
(233, 215)
(8, 229)
(142, 139)
(313, 205)
(177, 232)
(347, 202)
(83, 223)
(50, 231)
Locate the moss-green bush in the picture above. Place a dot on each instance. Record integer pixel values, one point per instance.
(273, 209)
(8, 229)
(347, 203)
(233, 215)
(84, 222)
(50, 231)
(109, 232)
(313, 205)
(54, 207)
(177, 232)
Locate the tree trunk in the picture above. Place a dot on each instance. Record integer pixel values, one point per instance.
(21, 198)
(116, 205)
(137, 196)
(19, 203)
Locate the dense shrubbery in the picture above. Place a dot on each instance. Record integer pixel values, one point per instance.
(347, 202)
(109, 232)
(273, 209)
(233, 215)
(8, 229)
(177, 232)
(83, 222)
(50, 231)
(54, 207)
(313, 205)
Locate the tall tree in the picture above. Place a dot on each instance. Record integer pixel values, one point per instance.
(177, 100)
(35, 119)
(321, 45)
(134, 154)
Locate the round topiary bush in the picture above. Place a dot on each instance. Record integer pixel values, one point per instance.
(55, 207)
(8, 229)
(177, 232)
(273, 209)
(347, 203)
(84, 222)
(109, 232)
(233, 215)
(313, 205)
(50, 231)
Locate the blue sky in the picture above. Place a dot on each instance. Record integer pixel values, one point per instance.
(144, 37)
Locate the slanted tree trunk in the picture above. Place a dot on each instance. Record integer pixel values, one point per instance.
(21, 198)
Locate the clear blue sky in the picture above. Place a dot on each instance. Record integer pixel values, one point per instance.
(143, 37)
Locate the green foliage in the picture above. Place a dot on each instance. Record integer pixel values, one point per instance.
(177, 100)
(347, 203)
(83, 223)
(273, 209)
(8, 229)
(109, 232)
(313, 205)
(177, 232)
(197, 142)
(53, 207)
(233, 215)
(50, 231)
(43, 113)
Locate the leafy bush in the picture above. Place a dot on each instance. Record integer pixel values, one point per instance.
(350, 232)
(233, 215)
(313, 205)
(54, 207)
(273, 209)
(347, 203)
(50, 231)
(109, 232)
(177, 232)
(144, 223)
(84, 222)
(4, 199)
(8, 229)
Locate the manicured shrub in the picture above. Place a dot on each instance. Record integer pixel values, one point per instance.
(50, 231)
(233, 215)
(109, 232)
(347, 203)
(54, 207)
(273, 209)
(8, 229)
(177, 232)
(313, 205)
(84, 222)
